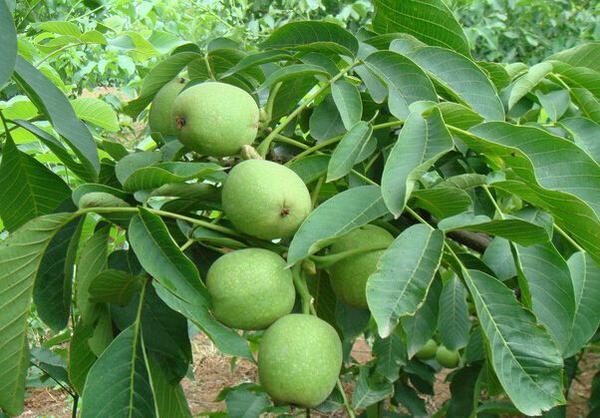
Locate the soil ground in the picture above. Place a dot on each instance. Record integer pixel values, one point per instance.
(213, 372)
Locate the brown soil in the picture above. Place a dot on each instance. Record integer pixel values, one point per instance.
(213, 372)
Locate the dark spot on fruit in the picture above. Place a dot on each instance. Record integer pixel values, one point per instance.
(284, 212)
(180, 122)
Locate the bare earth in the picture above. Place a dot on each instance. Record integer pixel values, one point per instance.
(214, 371)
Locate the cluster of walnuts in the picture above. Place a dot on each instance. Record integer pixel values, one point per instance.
(300, 355)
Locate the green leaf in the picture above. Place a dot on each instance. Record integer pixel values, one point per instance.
(421, 142)
(259, 58)
(586, 55)
(160, 75)
(404, 273)
(87, 188)
(165, 334)
(540, 158)
(127, 165)
(406, 82)
(291, 72)
(348, 150)
(374, 86)
(335, 217)
(60, 27)
(347, 99)
(311, 167)
(585, 133)
(20, 258)
(8, 43)
(430, 21)
(407, 396)
(517, 230)
(527, 82)
(499, 258)
(496, 72)
(569, 212)
(92, 261)
(81, 356)
(177, 281)
(524, 357)
(152, 177)
(324, 298)
(53, 103)
(169, 398)
(464, 388)
(325, 121)
(585, 275)
(97, 112)
(442, 202)
(55, 146)
(587, 103)
(27, 188)
(463, 78)
(420, 327)
(52, 291)
(118, 383)
(245, 403)
(289, 94)
(369, 391)
(114, 286)
(555, 103)
(551, 289)
(313, 36)
(459, 115)
(577, 77)
(453, 322)
(390, 353)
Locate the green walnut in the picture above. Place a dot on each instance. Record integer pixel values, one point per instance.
(215, 119)
(250, 288)
(447, 358)
(265, 199)
(160, 120)
(299, 360)
(427, 351)
(349, 275)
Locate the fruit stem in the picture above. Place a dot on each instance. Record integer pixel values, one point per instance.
(263, 147)
(324, 261)
(302, 289)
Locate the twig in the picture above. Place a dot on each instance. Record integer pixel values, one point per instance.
(263, 147)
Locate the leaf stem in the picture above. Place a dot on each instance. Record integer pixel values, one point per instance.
(187, 245)
(291, 141)
(345, 399)
(166, 214)
(323, 261)
(75, 405)
(263, 147)
(338, 138)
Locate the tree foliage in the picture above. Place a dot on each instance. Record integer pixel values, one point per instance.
(487, 175)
